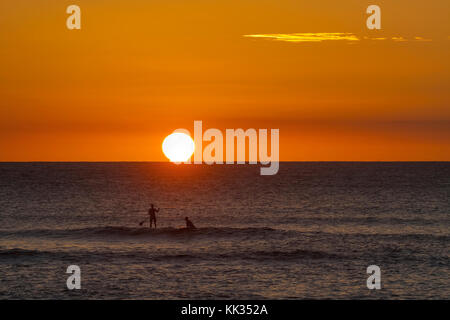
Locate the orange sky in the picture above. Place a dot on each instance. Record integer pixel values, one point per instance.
(139, 69)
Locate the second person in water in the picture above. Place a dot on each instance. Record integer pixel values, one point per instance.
(189, 224)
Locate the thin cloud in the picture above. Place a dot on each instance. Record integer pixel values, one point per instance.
(399, 39)
(422, 39)
(306, 37)
(329, 36)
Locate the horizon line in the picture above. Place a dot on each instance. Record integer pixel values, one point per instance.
(246, 163)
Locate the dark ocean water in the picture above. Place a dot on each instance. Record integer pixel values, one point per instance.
(308, 232)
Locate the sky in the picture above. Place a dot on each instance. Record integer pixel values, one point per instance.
(139, 69)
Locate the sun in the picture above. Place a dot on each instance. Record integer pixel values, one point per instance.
(178, 147)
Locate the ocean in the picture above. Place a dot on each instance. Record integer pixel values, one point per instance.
(309, 232)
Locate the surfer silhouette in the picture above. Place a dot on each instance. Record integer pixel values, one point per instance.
(152, 214)
(189, 223)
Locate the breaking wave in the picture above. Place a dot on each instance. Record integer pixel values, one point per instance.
(112, 231)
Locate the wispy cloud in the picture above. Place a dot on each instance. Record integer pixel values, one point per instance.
(306, 37)
(399, 39)
(422, 39)
(329, 36)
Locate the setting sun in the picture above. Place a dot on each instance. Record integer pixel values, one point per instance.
(178, 147)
